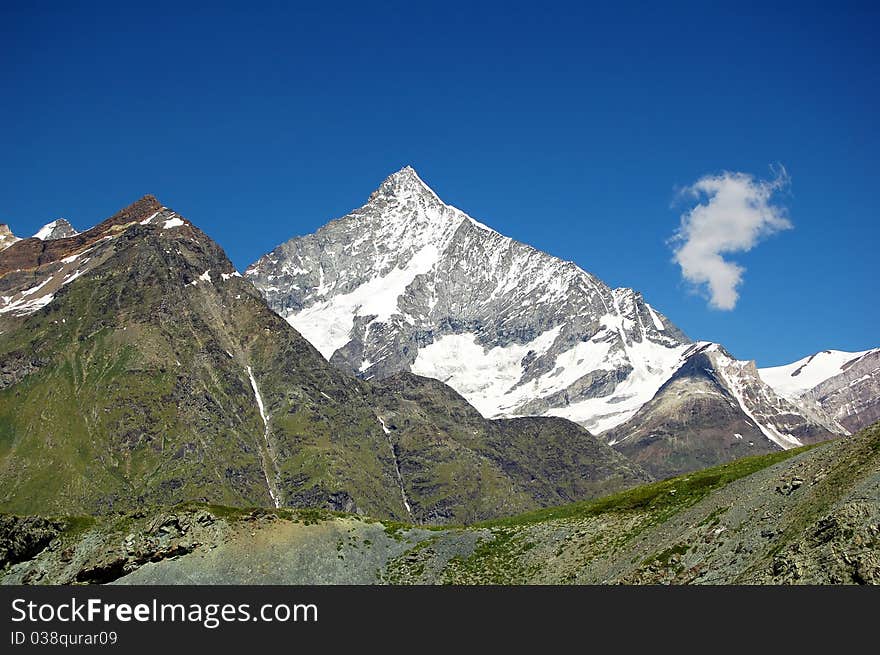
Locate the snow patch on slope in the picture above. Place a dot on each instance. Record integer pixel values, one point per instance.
(396, 465)
(652, 364)
(656, 319)
(258, 397)
(33, 290)
(23, 307)
(488, 378)
(327, 324)
(150, 218)
(484, 377)
(274, 494)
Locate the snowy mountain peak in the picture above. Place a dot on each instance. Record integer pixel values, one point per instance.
(404, 185)
(57, 229)
(409, 283)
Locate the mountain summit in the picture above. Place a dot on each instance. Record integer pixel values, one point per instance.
(57, 229)
(409, 283)
(405, 183)
(7, 238)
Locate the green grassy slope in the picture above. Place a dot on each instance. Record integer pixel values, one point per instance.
(805, 516)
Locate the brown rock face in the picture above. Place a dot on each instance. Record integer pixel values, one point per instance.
(28, 254)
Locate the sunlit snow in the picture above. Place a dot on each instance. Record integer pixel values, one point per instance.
(792, 380)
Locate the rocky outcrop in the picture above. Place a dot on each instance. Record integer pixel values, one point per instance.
(96, 553)
(15, 366)
(24, 537)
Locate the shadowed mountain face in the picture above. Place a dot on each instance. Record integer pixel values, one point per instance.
(137, 367)
(551, 460)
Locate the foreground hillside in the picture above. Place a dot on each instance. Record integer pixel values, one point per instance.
(810, 515)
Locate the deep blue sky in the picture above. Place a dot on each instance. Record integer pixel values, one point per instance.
(569, 128)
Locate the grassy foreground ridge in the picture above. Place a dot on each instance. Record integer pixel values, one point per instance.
(810, 515)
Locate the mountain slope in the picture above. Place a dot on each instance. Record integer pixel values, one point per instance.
(806, 516)
(550, 460)
(846, 386)
(714, 409)
(137, 367)
(135, 380)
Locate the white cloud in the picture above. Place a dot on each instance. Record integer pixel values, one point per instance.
(734, 213)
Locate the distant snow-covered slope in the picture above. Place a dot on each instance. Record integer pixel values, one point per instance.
(844, 385)
(715, 408)
(57, 229)
(793, 380)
